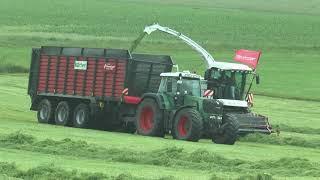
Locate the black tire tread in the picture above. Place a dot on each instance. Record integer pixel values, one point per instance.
(86, 123)
(158, 130)
(230, 132)
(68, 121)
(197, 125)
(50, 119)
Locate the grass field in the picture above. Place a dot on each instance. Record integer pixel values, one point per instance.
(287, 32)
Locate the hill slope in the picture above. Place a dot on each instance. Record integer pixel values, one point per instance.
(287, 34)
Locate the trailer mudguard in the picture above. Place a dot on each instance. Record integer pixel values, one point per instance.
(157, 97)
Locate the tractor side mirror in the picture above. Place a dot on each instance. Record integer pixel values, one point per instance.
(257, 79)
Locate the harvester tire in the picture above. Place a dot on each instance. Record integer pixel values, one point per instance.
(187, 125)
(229, 133)
(62, 114)
(81, 116)
(149, 119)
(45, 112)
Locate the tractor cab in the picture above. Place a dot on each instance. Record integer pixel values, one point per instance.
(181, 83)
(181, 87)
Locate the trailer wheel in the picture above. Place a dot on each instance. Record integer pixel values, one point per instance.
(229, 133)
(149, 119)
(187, 125)
(45, 112)
(81, 116)
(62, 114)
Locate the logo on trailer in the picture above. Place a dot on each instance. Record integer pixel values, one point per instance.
(80, 65)
(109, 67)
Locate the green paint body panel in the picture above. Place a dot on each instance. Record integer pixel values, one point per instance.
(212, 110)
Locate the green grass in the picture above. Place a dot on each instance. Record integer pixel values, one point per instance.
(174, 157)
(287, 32)
(112, 154)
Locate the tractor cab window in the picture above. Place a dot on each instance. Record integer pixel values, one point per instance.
(168, 85)
(163, 85)
(184, 86)
(190, 87)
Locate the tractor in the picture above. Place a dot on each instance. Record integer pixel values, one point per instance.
(187, 109)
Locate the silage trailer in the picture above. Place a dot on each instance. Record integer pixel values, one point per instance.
(92, 87)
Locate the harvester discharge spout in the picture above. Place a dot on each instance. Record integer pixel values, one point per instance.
(206, 56)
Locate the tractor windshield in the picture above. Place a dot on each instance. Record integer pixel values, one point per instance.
(228, 84)
(184, 86)
(190, 87)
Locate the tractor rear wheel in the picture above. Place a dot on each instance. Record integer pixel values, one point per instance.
(187, 125)
(149, 119)
(45, 112)
(81, 116)
(229, 133)
(62, 114)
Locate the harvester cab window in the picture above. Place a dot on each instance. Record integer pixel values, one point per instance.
(229, 82)
(241, 81)
(216, 75)
(234, 84)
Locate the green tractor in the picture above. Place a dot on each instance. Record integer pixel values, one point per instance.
(187, 109)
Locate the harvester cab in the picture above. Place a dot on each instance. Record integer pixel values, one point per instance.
(230, 80)
(230, 84)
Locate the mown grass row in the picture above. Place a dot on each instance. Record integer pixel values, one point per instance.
(52, 172)
(175, 157)
(10, 68)
(302, 130)
(280, 140)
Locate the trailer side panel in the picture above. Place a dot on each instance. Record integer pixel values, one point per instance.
(72, 73)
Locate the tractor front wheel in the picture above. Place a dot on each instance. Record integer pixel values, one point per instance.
(149, 119)
(229, 133)
(188, 125)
